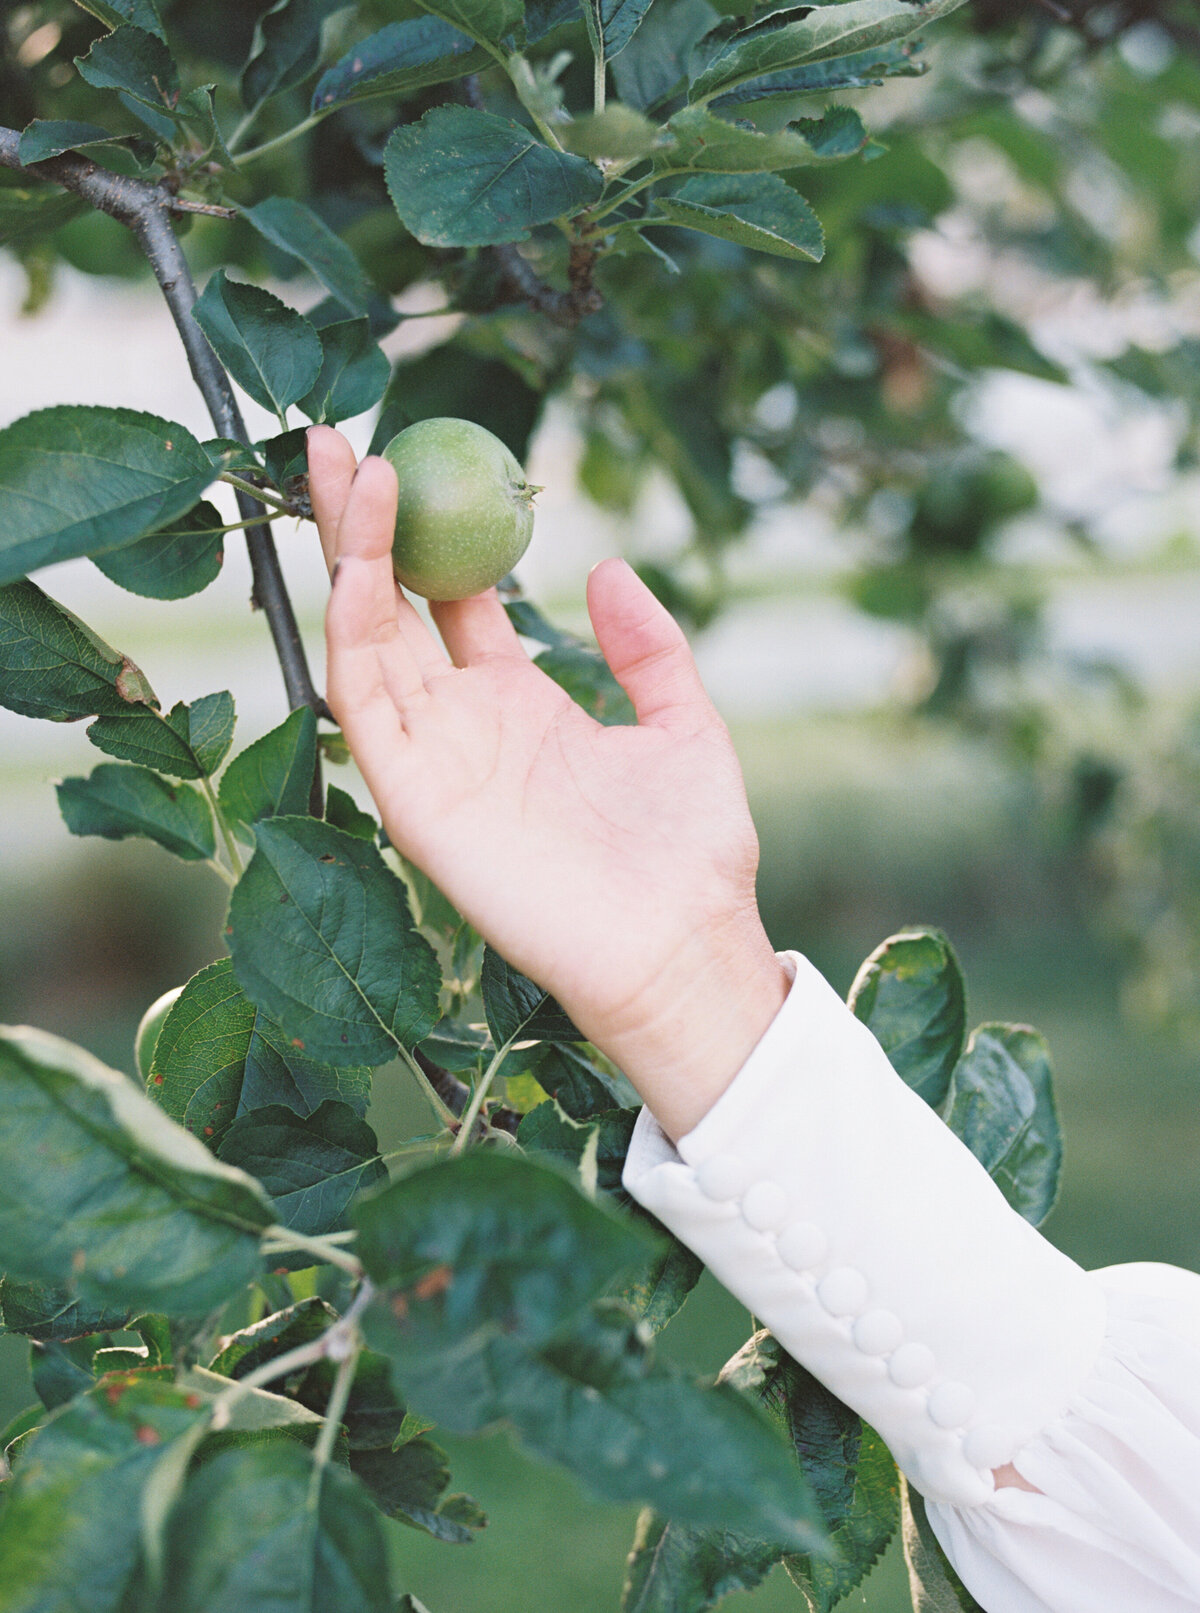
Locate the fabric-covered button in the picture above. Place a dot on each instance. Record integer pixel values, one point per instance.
(802, 1246)
(843, 1292)
(765, 1206)
(878, 1332)
(911, 1366)
(988, 1446)
(723, 1176)
(951, 1405)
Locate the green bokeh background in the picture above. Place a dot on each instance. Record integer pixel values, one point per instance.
(867, 824)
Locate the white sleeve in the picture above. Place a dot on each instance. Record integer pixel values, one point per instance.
(845, 1214)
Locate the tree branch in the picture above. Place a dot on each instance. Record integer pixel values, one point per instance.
(144, 209)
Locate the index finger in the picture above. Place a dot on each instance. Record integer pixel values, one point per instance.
(331, 467)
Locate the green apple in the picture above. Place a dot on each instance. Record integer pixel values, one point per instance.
(465, 514)
(147, 1032)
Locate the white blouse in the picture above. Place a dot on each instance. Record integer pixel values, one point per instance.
(837, 1206)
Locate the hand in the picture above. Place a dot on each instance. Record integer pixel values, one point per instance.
(614, 866)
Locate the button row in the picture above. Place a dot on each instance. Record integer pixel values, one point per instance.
(844, 1292)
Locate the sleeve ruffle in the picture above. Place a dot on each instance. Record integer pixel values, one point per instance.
(1117, 1521)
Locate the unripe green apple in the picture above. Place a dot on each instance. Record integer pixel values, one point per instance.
(147, 1032)
(465, 514)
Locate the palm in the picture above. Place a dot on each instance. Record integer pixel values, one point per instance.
(561, 840)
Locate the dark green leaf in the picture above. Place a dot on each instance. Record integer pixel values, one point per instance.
(1002, 1106)
(322, 940)
(138, 64)
(860, 70)
(657, 1293)
(274, 775)
(484, 1240)
(354, 373)
(197, 112)
(244, 1535)
(180, 560)
(855, 1481)
(228, 454)
(657, 60)
(933, 1584)
(312, 1166)
(517, 1010)
(218, 1057)
(910, 995)
(595, 1399)
(189, 742)
(52, 665)
(286, 455)
(490, 1261)
(465, 178)
(272, 352)
(252, 1347)
(81, 480)
(375, 1418)
(489, 21)
(543, 17)
(584, 674)
(60, 1372)
(410, 1484)
(581, 1087)
(286, 48)
(54, 1313)
(838, 133)
(401, 58)
(116, 801)
(70, 1534)
(112, 13)
(676, 1568)
(45, 137)
(759, 211)
(454, 380)
(861, 1535)
(100, 1191)
(595, 1147)
(821, 33)
(343, 812)
(611, 24)
(303, 234)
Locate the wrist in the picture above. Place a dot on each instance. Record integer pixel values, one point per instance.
(692, 1029)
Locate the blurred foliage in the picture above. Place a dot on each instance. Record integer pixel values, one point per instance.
(1058, 139)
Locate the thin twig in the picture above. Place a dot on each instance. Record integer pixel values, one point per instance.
(144, 208)
(180, 204)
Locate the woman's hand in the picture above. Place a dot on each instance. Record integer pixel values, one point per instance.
(614, 866)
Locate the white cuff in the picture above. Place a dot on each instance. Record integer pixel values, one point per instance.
(837, 1206)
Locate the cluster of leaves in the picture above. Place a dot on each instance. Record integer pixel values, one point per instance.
(511, 1282)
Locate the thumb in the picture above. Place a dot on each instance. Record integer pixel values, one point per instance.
(646, 650)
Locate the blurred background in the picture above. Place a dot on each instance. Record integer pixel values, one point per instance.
(940, 568)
